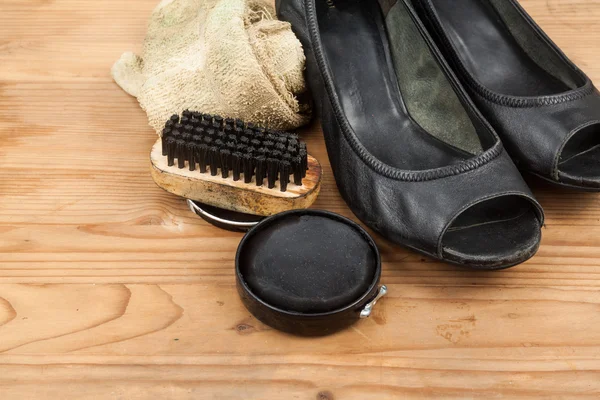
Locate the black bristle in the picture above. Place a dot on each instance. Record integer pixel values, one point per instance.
(261, 170)
(163, 141)
(293, 150)
(236, 165)
(297, 170)
(231, 146)
(180, 153)
(262, 151)
(236, 148)
(225, 163)
(304, 165)
(201, 153)
(191, 155)
(214, 160)
(272, 171)
(280, 147)
(171, 151)
(247, 167)
(284, 174)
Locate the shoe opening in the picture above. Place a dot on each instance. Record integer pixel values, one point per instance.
(495, 233)
(579, 161)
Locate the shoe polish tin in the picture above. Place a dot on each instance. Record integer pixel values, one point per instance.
(308, 272)
(225, 219)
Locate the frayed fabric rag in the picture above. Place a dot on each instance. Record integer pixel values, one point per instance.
(226, 57)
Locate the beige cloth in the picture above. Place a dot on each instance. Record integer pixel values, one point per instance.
(225, 57)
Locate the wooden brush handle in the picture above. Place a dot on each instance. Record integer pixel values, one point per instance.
(231, 195)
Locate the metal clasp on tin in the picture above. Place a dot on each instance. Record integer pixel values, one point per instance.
(366, 312)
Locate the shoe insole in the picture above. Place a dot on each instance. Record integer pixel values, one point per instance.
(493, 231)
(584, 164)
(490, 52)
(579, 161)
(356, 46)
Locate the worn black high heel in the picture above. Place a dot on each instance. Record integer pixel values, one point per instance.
(411, 155)
(546, 110)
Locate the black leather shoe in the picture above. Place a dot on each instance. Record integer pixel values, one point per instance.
(546, 110)
(411, 155)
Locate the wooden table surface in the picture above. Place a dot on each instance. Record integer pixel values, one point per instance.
(111, 288)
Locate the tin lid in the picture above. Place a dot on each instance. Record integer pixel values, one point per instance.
(307, 264)
(225, 219)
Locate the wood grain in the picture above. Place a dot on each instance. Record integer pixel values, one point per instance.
(111, 288)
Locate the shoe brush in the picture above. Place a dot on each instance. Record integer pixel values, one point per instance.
(233, 165)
